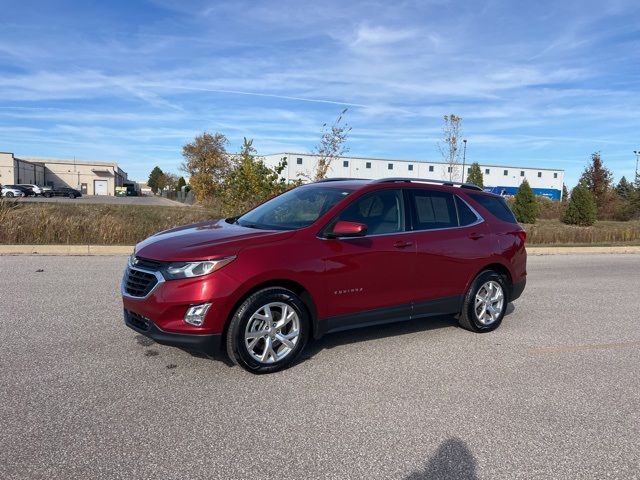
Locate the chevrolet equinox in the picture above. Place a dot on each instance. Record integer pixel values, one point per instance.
(323, 257)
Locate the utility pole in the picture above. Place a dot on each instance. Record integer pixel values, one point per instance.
(464, 158)
(636, 180)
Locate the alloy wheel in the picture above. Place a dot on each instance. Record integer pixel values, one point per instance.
(272, 332)
(489, 302)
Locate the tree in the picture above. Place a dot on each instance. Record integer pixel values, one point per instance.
(155, 179)
(181, 183)
(207, 163)
(162, 181)
(582, 208)
(331, 146)
(475, 175)
(525, 205)
(450, 145)
(597, 178)
(624, 188)
(565, 193)
(250, 182)
(170, 181)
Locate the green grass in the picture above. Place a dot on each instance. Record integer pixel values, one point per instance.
(56, 223)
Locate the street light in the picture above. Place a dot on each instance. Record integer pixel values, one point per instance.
(464, 158)
(637, 154)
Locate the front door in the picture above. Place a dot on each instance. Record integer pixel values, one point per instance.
(369, 279)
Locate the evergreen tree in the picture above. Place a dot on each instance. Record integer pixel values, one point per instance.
(156, 179)
(181, 183)
(582, 209)
(597, 178)
(624, 188)
(565, 193)
(475, 175)
(525, 205)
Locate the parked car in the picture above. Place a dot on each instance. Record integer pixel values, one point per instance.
(36, 189)
(9, 191)
(61, 192)
(324, 257)
(28, 192)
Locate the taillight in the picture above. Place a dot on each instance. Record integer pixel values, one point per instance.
(522, 235)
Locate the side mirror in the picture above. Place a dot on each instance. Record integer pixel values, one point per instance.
(348, 229)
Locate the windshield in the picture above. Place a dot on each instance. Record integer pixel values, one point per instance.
(297, 208)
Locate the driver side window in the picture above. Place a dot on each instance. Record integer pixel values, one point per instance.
(380, 211)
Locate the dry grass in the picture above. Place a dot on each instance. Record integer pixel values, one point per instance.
(55, 223)
(553, 232)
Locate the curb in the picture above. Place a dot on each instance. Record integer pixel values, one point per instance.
(98, 250)
(70, 250)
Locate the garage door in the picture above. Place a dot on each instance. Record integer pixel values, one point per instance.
(100, 187)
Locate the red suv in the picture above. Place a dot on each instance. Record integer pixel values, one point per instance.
(324, 257)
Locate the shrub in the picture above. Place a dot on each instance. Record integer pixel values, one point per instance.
(582, 209)
(550, 209)
(525, 205)
(475, 175)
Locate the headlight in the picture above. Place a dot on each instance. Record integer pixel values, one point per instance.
(195, 269)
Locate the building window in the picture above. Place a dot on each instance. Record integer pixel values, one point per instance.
(411, 168)
(487, 171)
(539, 174)
(345, 163)
(448, 169)
(431, 168)
(390, 166)
(299, 161)
(522, 173)
(506, 172)
(468, 169)
(555, 175)
(368, 165)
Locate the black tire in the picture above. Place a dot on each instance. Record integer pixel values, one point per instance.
(46, 195)
(235, 341)
(468, 317)
(72, 195)
(9, 194)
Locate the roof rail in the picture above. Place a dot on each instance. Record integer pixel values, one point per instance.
(337, 179)
(446, 183)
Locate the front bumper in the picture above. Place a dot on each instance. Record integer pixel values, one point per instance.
(208, 344)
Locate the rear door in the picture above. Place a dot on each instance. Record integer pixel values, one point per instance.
(452, 241)
(371, 276)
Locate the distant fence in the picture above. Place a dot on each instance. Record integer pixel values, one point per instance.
(180, 196)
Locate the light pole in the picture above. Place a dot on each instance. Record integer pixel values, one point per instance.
(636, 180)
(464, 157)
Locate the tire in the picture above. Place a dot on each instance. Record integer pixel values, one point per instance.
(485, 303)
(9, 194)
(71, 195)
(46, 195)
(255, 345)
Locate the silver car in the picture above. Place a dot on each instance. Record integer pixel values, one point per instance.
(11, 192)
(36, 189)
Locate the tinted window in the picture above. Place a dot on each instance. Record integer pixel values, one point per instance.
(433, 210)
(380, 211)
(497, 206)
(465, 214)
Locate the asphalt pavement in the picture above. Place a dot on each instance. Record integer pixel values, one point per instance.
(553, 393)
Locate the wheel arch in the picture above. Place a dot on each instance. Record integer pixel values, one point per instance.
(500, 269)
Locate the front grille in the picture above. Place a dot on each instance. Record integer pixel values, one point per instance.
(139, 283)
(137, 320)
(149, 264)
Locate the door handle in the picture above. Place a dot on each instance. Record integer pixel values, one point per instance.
(476, 236)
(402, 244)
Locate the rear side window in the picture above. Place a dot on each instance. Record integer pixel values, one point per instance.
(465, 214)
(497, 206)
(432, 210)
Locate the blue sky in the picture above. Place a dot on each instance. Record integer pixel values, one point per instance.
(536, 83)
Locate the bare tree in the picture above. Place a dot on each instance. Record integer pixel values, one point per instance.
(450, 145)
(331, 146)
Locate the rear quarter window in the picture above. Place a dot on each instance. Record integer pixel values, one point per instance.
(496, 206)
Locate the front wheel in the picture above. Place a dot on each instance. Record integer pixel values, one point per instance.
(268, 331)
(485, 303)
(9, 194)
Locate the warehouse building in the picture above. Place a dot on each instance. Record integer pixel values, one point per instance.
(501, 179)
(88, 176)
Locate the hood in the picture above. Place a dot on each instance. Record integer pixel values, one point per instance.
(203, 241)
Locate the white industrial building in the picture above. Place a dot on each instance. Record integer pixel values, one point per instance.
(303, 166)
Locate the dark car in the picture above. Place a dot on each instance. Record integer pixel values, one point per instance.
(28, 192)
(324, 257)
(62, 192)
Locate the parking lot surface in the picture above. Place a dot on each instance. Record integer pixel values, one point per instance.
(553, 393)
(108, 200)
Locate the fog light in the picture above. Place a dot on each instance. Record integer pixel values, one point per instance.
(195, 314)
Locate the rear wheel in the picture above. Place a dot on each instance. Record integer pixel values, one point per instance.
(485, 303)
(9, 194)
(268, 331)
(72, 195)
